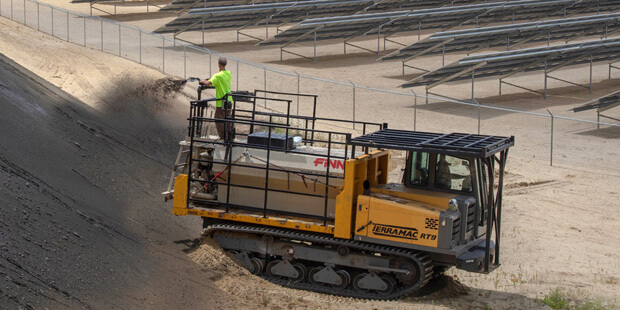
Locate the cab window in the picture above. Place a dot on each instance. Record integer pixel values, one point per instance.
(452, 173)
(419, 169)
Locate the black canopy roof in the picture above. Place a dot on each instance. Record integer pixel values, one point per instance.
(456, 144)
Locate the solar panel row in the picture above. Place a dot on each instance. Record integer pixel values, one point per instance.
(601, 104)
(260, 14)
(378, 6)
(472, 40)
(505, 64)
(437, 18)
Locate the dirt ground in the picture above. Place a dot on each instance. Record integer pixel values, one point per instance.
(89, 140)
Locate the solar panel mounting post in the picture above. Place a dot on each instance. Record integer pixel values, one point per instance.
(443, 55)
(590, 73)
(546, 74)
(353, 103)
(315, 46)
(473, 78)
(378, 40)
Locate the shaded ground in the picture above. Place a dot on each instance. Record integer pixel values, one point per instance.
(81, 221)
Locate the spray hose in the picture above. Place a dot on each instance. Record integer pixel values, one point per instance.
(225, 169)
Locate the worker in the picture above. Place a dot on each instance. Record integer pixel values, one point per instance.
(223, 107)
(443, 176)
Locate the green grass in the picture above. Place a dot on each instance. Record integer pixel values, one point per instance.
(558, 300)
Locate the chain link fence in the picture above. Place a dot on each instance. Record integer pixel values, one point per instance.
(548, 137)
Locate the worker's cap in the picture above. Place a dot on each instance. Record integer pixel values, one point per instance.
(222, 61)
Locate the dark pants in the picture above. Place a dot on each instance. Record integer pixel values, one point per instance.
(223, 128)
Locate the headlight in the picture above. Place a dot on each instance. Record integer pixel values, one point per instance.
(453, 205)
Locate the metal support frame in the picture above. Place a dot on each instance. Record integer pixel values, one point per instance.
(303, 36)
(92, 6)
(413, 67)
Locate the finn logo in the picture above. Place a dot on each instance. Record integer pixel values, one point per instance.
(395, 231)
(334, 164)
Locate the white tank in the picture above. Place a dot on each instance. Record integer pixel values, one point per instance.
(295, 178)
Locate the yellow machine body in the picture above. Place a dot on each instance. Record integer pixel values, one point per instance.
(384, 211)
(396, 219)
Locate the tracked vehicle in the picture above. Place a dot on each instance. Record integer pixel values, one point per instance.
(313, 209)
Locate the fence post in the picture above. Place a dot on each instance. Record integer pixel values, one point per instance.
(264, 83)
(237, 76)
(119, 40)
(353, 103)
(163, 55)
(415, 109)
(479, 111)
(298, 79)
(140, 43)
(551, 159)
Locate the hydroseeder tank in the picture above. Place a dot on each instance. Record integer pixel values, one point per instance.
(313, 209)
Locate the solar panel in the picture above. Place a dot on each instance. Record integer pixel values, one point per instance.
(377, 6)
(472, 40)
(247, 15)
(504, 64)
(437, 18)
(186, 5)
(602, 104)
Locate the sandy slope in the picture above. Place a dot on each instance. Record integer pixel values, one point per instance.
(80, 187)
(82, 220)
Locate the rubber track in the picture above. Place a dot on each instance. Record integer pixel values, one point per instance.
(324, 239)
